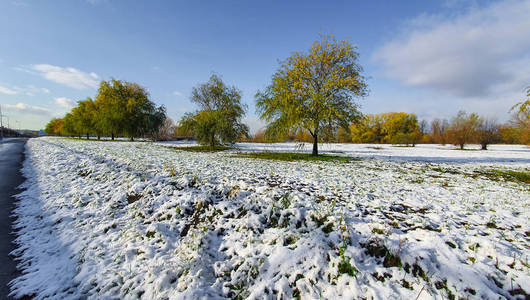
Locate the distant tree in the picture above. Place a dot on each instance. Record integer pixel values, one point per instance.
(218, 120)
(83, 115)
(521, 118)
(313, 90)
(69, 126)
(400, 128)
(49, 126)
(125, 108)
(393, 127)
(463, 128)
(165, 132)
(343, 135)
(368, 130)
(510, 134)
(424, 131)
(488, 132)
(54, 126)
(111, 108)
(439, 131)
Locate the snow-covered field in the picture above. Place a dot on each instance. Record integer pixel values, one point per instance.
(496, 154)
(140, 220)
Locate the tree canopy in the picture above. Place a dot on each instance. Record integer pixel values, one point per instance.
(463, 128)
(125, 109)
(314, 90)
(218, 119)
(393, 127)
(120, 108)
(521, 119)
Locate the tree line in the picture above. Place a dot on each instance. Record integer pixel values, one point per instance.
(402, 128)
(121, 108)
(311, 97)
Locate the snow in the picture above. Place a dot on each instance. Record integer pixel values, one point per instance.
(142, 220)
(496, 154)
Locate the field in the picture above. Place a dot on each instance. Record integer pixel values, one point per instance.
(143, 220)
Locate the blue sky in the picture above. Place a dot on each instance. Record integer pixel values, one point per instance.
(426, 57)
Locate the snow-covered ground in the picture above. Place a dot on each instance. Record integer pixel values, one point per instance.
(496, 154)
(140, 220)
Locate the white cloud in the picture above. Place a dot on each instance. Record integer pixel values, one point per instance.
(479, 53)
(177, 93)
(27, 109)
(7, 91)
(67, 76)
(65, 102)
(28, 90)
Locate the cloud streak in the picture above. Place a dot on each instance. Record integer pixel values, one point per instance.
(7, 91)
(27, 109)
(68, 76)
(65, 102)
(479, 53)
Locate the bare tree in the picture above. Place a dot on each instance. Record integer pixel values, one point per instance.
(165, 132)
(439, 131)
(488, 132)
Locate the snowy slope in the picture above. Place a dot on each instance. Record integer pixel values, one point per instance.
(138, 220)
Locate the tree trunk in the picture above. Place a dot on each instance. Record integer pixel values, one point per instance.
(112, 136)
(87, 136)
(99, 137)
(484, 146)
(461, 146)
(315, 145)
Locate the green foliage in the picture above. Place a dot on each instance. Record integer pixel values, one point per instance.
(394, 127)
(463, 128)
(345, 266)
(314, 91)
(120, 108)
(218, 120)
(54, 127)
(69, 125)
(521, 119)
(84, 117)
(125, 108)
(506, 175)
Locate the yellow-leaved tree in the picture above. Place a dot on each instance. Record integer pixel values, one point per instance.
(521, 119)
(315, 89)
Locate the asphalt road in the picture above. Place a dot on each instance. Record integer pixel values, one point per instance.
(11, 158)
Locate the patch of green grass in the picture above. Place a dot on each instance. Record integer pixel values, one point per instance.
(378, 230)
(203, 148)
(290, 156)
(492, 174)
(507, 175)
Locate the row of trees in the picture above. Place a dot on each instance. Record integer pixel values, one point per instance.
(312, 96)
(313, 91)
(405, 129)
(121, 108)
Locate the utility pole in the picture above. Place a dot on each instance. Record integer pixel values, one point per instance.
(1, 124)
